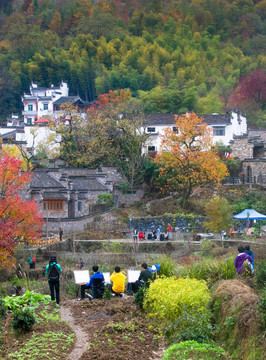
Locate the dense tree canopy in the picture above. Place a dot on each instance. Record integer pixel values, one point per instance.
(187, 157)
(193, 52)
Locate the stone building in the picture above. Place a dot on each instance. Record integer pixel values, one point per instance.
(251, 150)
(67, 196)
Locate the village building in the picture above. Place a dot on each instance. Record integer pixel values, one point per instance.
(44, 103)
(224, 127)
(68, 196)
(250, 148)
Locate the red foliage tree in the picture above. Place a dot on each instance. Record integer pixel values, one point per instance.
(20, 219)
(251, 90)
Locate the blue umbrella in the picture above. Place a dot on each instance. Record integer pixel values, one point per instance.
(250, 214)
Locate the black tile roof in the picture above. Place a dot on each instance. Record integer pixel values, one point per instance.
(66, 99)
(10, 134)
(84, 183)
(44, 180)
(169, 119)
(54, 196)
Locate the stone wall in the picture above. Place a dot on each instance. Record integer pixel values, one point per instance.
(241, 148)
(257, 166)
(127, 199)
(69, 226)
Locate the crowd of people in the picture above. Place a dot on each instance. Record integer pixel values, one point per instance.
(155, 234)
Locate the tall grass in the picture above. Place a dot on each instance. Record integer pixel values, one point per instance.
(209, 270)
(167, 266)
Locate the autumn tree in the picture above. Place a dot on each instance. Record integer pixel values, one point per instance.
(187, 157)
(20, 219)
(219, 213)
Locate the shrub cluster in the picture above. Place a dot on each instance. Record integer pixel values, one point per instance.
(166, 298)
(193, 350)
(23, 320)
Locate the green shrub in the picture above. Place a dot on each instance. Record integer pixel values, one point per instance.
(2, 309)
(23, 320)
(106, 199)
(166, 298)
(140, 296)
(107, 293)
(192, 350)
(260, 273)
(206, 245)
(167, 267)
(262, 310)
(191, 326)
(69, 287)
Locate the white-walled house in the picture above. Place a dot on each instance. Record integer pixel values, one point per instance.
(224, 127)
(40, 102)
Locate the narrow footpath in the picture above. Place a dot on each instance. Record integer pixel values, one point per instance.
(82, 338)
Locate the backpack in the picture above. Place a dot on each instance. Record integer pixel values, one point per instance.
(33, 260)
(247, 268)
(53, 273)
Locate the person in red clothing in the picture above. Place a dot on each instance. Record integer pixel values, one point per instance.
(169, 231)
(141, 235)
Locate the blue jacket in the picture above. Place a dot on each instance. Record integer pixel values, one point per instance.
(96, 275)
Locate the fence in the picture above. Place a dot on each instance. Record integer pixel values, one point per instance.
(260, 179)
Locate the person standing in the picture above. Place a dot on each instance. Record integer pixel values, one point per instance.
(135, 235)
(158, 232)
(81, 263)
(61, 234)
(169, 231)
(33, 262)
(53, 271)
(30, 261)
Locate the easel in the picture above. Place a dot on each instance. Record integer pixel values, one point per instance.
(132, 276)
(81, 277)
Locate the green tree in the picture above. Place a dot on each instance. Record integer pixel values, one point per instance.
(219, 213)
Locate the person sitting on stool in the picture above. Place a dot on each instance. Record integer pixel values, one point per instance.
(144, 278)
(96, 284)
(118, 281)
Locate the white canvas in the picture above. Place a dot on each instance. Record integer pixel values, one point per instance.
(133, 275)
(106, 276)
(81, 276)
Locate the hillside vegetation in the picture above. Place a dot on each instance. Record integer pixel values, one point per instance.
(201, 55)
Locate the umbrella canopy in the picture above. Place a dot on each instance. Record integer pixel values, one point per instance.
(250, 214)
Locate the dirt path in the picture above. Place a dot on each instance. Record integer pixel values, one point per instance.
(86, 318)
(82, 338)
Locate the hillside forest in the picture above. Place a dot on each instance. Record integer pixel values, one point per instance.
(200, 55)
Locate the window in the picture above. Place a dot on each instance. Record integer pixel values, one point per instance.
(175, 129)
(151, 148)
(79, 205)
(219, 131)
(150, 129)
(30, 107)
(45, 106)
(53, 205)
(29, 121)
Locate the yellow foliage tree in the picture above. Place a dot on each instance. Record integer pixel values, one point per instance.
(188, 158)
